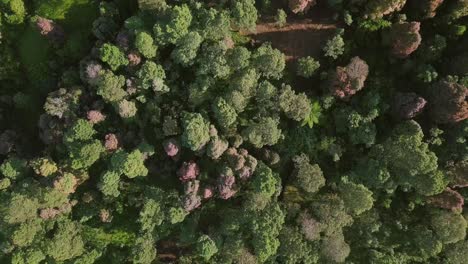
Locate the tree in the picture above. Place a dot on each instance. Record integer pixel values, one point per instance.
(110, 87)
(280, 18)
(265, 132)
(308, 177)
(83, 155)
(224, 113)
(174, 26)
(334, 46)
(334, 248)
(81, 130)
(380, 8)
(213, 24)
(301, 6)
(109, 184)
(13, 11)
(447, 102)
(306, 66)
(130, 164)
(268, 62)
(28, 256)
(212, 60)
(148, 73)
(127, 109)
(404, 38)
(265, 230)
(66, 242)
(26, 232)
(347, 81)
(244, 14)
(196, 131)
(206, 247)
(330, 212)
(14, 168)
(448, 226)
(20, 209)
(112, 56)
(144, 43)
(187, 48)
(238, 57)
(456, 253)
(295, 106)
(294, 249)
(264, 181)
(144, 249)
(408, 105)
(356, 197)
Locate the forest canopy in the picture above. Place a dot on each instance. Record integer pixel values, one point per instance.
(233, 131)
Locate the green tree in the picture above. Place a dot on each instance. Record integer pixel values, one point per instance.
(307, 66)
(308, 177)
(334, 46)
(244, 14)
(448, 226)
(83, 155)
(206, 247)
(44, 166)
(20, 208)
(265, 132)
(80, 131)
(144, 250)
(280, 18)
(264, 181)
(13, 11)
(356, 197)
(174, 26)
(457, 253)
(266, 228)
(238, 57)
(14, 168)
(130, 164)
(334, 248)
(196, 131)
(26, 232)
(28, 256)
(295, 106)
(187, 48)
(66, 242)
(149, 72)
(295, 249)
(109, 184)
(112, 56)
(109, 87)
(224, 113)
(144, 43)
(269, 62)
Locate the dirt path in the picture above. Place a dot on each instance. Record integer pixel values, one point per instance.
(297, 39)
(300, 36)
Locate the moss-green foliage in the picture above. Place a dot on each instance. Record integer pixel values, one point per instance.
(144, 43)
(14, 168)
(66, 242)
(196, 131)
(206, 247)
(307, 66)
(224, 113)
(130, 164)
(112, 56)
(110, 87)
(449, 227)
(263, 132)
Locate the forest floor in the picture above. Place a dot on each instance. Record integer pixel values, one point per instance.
(301, 36)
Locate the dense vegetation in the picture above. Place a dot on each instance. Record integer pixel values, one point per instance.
(156, 131)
